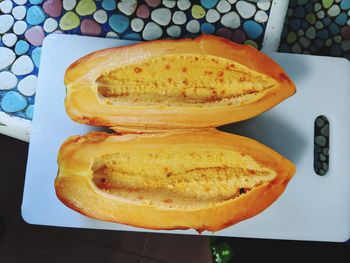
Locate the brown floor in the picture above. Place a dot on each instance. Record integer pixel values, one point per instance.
(20, 242)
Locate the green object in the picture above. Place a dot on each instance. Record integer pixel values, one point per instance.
(311, 18)
(222, 252)
(69, 21)
(251, 43)
(327, 3)
(328, 42)
(319, 25)
(198, 12)
(86, 7)
(292, 37)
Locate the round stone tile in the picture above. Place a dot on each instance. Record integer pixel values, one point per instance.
(153, 3)
(127, 7)
(22, 65)
(21, 47)
(6, 22)
(208, 3)
(345, 32)
(224, 32)
(35, 35)
(13, 102)
(112, 34)
(161, 16)
(169, 3)
(238, 36)
(20, 2)
(264, 5)
(197, 11)
(53, 7)
(119, 23)
(6, 6)
(143, 11)
(109, 5)
(27, 86)
(90, 28)
(35, 15)
(231, 20)
(311, 32)
(85, 7)
(193, 26)
(174, 31)
(69, 4)
(345, 4)
(19, 12)
(183, 4)
(50, 25)
(36, 53)
(179, 18)
(251, 43)
(261, 16)
(19, 27)
(152, 31)
(207, 28)
(7, 56)
(252, 29)
(30, 111)
(7, 80)
(100, 16)
(327, 3)
(137, 24)
(224, 6)
(69, 21)
(9, 39)
(212, 16)
(333, 11)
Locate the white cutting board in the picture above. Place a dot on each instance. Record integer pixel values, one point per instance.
(311, 208)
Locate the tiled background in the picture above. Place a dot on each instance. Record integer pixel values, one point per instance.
(317, 27)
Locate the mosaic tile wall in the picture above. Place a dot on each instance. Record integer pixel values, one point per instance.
(25, 23)
(319, 27)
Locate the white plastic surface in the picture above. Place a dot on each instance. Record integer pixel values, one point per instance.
(311, 208)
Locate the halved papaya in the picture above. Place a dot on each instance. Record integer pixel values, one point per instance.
(167, 84)
(202, 179)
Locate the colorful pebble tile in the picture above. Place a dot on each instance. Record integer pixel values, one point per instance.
(320, 27)
(321, 145)
(24, 24)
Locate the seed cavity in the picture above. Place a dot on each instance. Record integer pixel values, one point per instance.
(206, 80)
(188, 177)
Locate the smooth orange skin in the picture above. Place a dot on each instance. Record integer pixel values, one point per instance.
(74, 186)
(83, 106)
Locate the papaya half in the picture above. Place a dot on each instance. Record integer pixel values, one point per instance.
(202, 179)
(167, 84)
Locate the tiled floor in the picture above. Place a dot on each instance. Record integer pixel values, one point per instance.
(20, 242)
